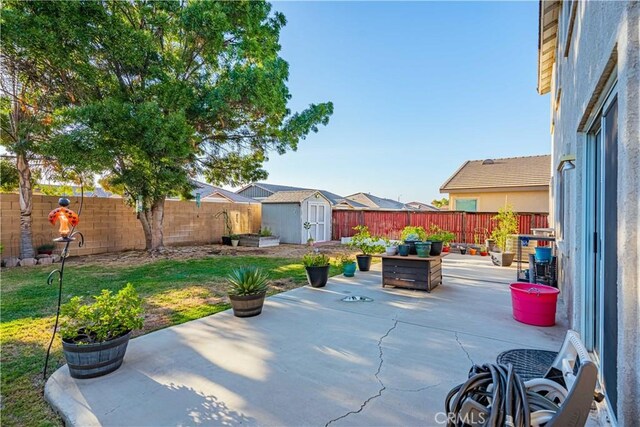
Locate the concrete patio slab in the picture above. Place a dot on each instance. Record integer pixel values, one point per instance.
(311, 359)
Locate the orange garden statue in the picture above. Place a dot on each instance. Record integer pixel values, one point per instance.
(65, 216)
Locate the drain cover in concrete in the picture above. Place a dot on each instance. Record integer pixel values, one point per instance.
(357, 298)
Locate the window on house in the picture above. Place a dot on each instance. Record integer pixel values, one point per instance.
(566, 24)
(467, 205)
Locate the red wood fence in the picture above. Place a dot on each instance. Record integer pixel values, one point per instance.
(464, 224)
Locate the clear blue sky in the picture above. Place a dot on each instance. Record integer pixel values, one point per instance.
(418, 88)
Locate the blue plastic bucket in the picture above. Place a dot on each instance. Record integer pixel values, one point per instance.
(543, 254)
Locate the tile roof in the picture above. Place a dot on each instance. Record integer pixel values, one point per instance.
(290, 196)
(532, 171)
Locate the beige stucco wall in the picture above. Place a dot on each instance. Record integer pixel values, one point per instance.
(522, 201)
(602, 30)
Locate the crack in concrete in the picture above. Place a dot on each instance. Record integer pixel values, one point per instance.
(382, 386)
(414, 390)
(464, 349)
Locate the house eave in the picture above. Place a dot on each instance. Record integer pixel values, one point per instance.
(547, 41)
(494, 189)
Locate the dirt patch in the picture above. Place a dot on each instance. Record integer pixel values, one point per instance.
(139, 257)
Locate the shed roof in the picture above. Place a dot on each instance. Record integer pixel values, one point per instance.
(521, 172)
(274, 188)
(297, 196)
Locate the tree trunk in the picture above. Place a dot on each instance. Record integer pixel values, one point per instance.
(26, 206)
(151, 220)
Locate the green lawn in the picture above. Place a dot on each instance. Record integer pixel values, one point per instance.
(174, 292)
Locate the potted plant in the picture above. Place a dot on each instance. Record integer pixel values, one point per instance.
(95, 336)
(472, 250)
(46, 249)
(446, 248)
(235, 239)
(411, 234)
(463, 249)
(390, 247)
(247, 289)
(404, 249)
(483, 250)
(506, 224)
(423, 249)
(439, 239)
(317, 268)
(226, 239)
(307, 226)
(348, 265)
(367, 245)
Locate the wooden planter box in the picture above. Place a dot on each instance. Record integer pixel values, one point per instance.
(412, 272)
(257, 241)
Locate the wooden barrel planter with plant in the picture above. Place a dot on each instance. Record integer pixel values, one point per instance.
(94, 360)
(248, 288)
(95, 336)
(247, 305)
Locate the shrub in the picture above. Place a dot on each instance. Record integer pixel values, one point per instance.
(412, 233)
(109, 317)
(247, 281)
(365, 242)
(437, 234)
(315, 260)
(506, 224)
(345, 260)
(46, 247)
(266, 232)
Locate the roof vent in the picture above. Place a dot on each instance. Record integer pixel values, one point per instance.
(488, 162)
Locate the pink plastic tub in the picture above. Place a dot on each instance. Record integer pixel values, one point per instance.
(534, 304)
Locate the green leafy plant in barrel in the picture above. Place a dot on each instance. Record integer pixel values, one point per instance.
(247, 290)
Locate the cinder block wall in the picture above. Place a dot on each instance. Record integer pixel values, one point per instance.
(109, 225)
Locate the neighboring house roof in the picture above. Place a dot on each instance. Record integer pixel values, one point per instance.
(422, 206)
(274, 188)
(513, 172)
(297, 196)
(211, 191)
(76, 192)
(548, 11)
(350, 204)
(375, 202)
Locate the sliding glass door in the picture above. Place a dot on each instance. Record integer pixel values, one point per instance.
(601, 237)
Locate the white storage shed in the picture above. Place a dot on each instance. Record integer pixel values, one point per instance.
(286, 212)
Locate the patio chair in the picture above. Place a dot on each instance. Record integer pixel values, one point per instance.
(567, 378)
(497, 395)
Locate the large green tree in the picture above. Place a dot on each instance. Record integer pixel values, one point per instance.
(186, 88)
(44, 67)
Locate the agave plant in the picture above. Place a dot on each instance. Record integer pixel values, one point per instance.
(247, 281)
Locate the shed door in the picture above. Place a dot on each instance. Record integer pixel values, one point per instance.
(318, 220)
